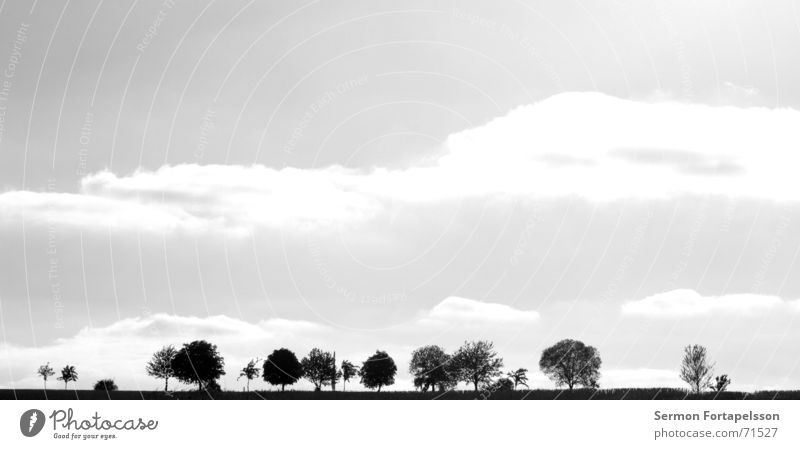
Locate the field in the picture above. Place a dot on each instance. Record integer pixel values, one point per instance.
(610, 394)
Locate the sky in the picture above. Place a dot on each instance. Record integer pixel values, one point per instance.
(373, 175)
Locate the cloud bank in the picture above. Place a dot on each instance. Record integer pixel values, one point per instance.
(576, 144)
(684, 303)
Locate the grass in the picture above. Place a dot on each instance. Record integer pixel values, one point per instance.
(581, 394)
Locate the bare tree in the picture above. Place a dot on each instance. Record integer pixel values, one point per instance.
(160, 366)
(44, 372)
(477, 362)
(249, 372)
(696, 368)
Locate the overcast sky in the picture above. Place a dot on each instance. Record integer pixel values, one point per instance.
(384, 175)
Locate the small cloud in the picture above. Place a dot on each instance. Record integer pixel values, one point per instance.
(684, 303)
(463, 311)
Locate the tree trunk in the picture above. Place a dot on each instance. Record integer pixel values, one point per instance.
(166, 383)
(283, 387)
(379, 388)
(476, 385)
(65, 384)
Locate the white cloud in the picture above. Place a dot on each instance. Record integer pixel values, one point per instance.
(688, 303)
(463, 311)
(586, 144)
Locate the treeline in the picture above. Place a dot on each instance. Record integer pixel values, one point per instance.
(567, 363)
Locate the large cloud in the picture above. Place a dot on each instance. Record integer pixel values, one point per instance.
(682, 303)
(122, 348)
(586, 144)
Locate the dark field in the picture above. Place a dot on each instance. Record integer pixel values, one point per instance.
(615, 394)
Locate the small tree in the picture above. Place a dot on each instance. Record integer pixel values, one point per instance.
(160, 365)
(44, 372)
(249, 372)
(721, 383)
(198, 362)
(570, 363)
(105, 385)
(68, 374)
(378, 371)
(519, 377)
(477, 362)
(319, 367)
(348, 372)
(429, 366)
(282, 368)
(696, 369)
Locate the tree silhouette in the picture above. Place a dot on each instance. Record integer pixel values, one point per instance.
(44, 372)
(570, 363)
(347, 372)
(160, 366)
(68, 374)
(378, 371)
(282, 368)
(105, 385)
(319, 367)
(249, 372)
(519, 377)
(721, 383)
(696, 369)
(198, 362)
(477, 362)
(429, 366)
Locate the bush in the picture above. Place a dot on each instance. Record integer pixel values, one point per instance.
(106, 385)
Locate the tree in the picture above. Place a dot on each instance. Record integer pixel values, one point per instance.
(198, 362)
(319, 367)
(249, 372)
(106, 385)
(348, 372)
(44, 372)
(519, 377)
(721, 383)
(378, 371)
(570, 363)
(477, 362)
(282, 368)
(429, 366)
(68, 374)
(696, 369)
(160, 366)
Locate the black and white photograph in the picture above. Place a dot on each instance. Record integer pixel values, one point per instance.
(575, 211)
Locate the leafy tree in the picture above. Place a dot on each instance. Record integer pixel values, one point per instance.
(68, 374)
(347, 372)
(198, 362)
(477, 362)
(249, 372)
(429, 366)
(519, 377)
(160, 365)
(570, 363)
(319, 367)
(44, 372)
(106, 385)
(282, 368)
(721, 383)
(378, 371)
(696, 369)
(502, 384)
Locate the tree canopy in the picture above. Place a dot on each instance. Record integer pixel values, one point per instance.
(68, 374)
(430, 367)
(282, 368)
(378, 371)
(160, 365)
(570, 363)
(319, 367)
(198, 362)
(477, 362)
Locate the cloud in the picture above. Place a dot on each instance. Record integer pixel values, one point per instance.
(587, 144)
(121, 349)
(683, 303)
(463, 311)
